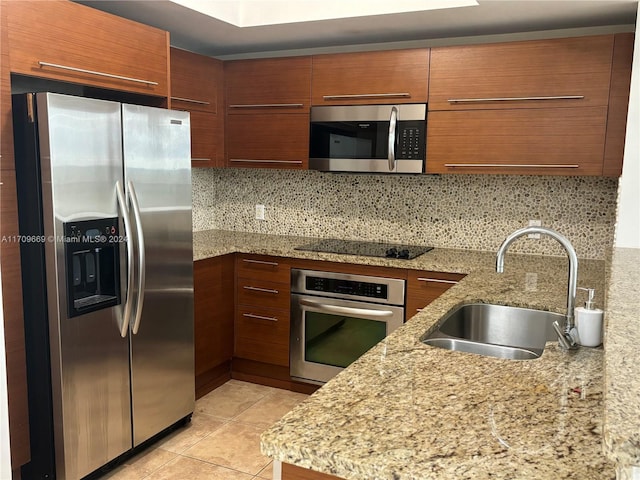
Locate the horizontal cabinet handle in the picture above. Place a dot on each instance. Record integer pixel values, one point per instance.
(419, 309)
(437, 280)
(200, 159)
(261, 262)
(267, 105)
(514, 99)
(92, 72)
(258, 289)
(507, 165)
(367, 95)
(259, 317)
(190, 100)
(248, 160)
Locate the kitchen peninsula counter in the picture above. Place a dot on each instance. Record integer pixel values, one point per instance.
(408, 411)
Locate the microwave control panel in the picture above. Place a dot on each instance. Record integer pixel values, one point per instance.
(411, 140)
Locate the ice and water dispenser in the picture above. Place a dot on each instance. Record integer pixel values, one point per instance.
(93, 265)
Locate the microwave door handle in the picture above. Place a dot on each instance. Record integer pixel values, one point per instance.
(345, 310)
(128, 303)
(393, 121)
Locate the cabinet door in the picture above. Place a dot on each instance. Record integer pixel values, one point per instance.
(196, 82)
(618, 104)
(487, 76)
(196, 86)
(70, 42)
(544, 141)
(268, 140)
(207, 140)
(281, 85)
(423, 287)
(213, 312)
(394, 76)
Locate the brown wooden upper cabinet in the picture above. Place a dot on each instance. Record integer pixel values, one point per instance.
(66, 41)
(393, 76)
(268, 104)
(535, 107)
(197, 87)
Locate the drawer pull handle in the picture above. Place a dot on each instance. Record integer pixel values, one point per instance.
(437, 280)
(514, 99)
(92, 72)
(246, 160)
(260, 262)
(508, 165)
(190, 100)
(259, 317)
(200, 159)
(268, 105)
(367, 95)
(258, 289)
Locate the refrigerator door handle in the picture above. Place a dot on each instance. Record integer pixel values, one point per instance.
(135, 206)
(128, 304)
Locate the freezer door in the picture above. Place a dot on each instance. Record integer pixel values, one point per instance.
(81, 161)
(158, 173)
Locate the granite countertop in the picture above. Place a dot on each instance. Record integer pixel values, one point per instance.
(408, 411)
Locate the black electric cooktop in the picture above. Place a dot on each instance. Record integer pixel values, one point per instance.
(367, 249)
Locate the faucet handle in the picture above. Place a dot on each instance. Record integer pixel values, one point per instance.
(590, 303)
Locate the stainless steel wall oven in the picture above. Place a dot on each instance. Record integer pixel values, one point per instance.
(336, 317)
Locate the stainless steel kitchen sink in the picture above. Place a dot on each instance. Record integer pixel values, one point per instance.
(495, 330)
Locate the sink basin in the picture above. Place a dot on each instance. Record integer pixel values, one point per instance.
(495, 330)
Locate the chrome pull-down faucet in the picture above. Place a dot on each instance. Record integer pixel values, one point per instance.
(565, 336)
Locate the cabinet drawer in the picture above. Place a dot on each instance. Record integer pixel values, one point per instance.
(482, 76)
(86, 46)
(543, 141)
(280, 85)
(268, 140)
(264, 268)
(262, 334)
(386, 77)
(423, 287)
(262, 293)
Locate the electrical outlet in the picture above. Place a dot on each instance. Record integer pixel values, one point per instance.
(259, 212)
(531, 282)
(534, 223)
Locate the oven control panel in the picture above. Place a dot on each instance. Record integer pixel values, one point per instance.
(346, 287)
(388, 291)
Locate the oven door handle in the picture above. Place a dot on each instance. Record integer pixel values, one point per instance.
(345, 310)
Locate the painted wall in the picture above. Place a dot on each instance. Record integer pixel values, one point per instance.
(5, 456)
(628, 226)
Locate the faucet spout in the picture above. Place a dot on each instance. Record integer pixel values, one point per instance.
(565, 336)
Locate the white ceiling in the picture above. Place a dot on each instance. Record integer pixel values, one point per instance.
(200, 33)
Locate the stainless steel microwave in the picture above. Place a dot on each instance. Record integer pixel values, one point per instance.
(368, 138)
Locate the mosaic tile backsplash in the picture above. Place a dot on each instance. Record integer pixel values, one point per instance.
(474, 212)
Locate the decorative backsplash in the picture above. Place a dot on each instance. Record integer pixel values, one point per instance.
(474, 212)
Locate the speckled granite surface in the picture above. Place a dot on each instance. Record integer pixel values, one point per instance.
(408, 411)
(622, 368)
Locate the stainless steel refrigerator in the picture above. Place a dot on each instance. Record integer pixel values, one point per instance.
(104, 201)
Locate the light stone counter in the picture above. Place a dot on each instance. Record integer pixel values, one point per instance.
(408, 411)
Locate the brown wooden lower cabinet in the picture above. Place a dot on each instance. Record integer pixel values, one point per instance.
(291, 472)
(423, 287)
(213, 311)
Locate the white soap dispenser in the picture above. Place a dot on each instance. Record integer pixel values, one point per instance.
(589, 321)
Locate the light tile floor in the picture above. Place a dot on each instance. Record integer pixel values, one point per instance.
(222, 442)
